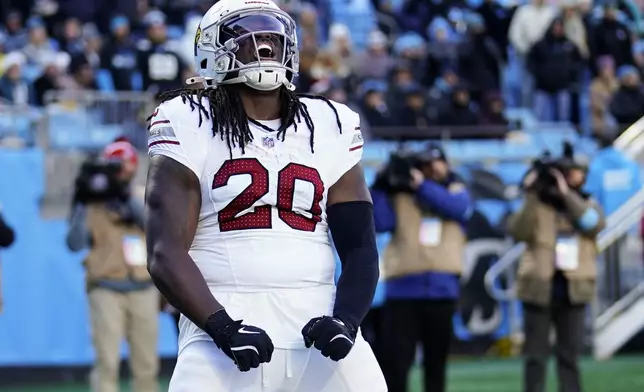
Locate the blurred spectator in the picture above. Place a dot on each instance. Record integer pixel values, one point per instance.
(341, 49)
(374, 108)
(71, 40)
(309, 31)
(440, 95)
(39, 46)
(414, 113)
(119, 54)
(124, 304)
(497, 20)
(557, 272)
(7, 236)
(574, 27)
(459, 112)
(91, 46)
(325, 66)
(375, 62)
(442, 51)
(627, 104)
(555, 65)
(304, 78)
(13, 86)
(416, 15)
(14, 34)
(401, 79)
(492, 108)
(529, 25)
(423, 262)
(638, 55)
(410, 49)
(612, 37)
(480, 59)
(335, 92)
(162, 69)
(82, 74)
(602, 89)
(54, 77)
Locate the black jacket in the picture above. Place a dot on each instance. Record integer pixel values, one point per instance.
(555, 63)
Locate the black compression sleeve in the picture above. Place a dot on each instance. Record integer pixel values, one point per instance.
(354, 236)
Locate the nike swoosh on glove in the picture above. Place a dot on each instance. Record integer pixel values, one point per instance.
(330, 335)
(246, 345)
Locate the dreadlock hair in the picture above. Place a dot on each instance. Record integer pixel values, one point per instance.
(229, 119)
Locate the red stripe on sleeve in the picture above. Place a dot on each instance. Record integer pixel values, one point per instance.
(163, 142)
(159, 122)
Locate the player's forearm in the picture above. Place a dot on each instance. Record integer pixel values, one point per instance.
(357, 285)
(352, 227)
(180, 281)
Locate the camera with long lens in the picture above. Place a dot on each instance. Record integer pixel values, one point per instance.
(98, 181)
(396, 176)
(546, 184)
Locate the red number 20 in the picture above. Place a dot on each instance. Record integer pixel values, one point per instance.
(261, 217)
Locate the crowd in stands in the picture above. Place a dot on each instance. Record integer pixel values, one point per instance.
(424, 63)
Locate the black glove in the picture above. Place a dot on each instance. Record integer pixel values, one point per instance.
(330, 335)
(246, 345)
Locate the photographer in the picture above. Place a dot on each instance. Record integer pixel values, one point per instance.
(123, 301)
(6, 239)
(559, 224)
(425, 207)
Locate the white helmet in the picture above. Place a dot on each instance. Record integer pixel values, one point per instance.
(246, 41)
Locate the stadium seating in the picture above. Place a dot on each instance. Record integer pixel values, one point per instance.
(358, 15)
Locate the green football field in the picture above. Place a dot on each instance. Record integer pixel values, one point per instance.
(623, 374)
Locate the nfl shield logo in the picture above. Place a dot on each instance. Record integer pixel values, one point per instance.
(268, 142)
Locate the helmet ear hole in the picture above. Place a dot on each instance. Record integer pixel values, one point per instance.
(204, 64)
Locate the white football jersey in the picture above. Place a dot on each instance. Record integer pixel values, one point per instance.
(262, 225)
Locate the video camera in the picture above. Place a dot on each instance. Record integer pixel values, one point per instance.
(97, 181)
(396, 176)
(546, 184)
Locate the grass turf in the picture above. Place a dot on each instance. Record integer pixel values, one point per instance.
(622, 374)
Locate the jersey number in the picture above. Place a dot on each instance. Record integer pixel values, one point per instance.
(261, 217)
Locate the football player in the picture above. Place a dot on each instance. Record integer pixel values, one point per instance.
(246, 179)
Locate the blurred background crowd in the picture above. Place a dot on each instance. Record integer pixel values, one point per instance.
(491, 83)
(426, 64)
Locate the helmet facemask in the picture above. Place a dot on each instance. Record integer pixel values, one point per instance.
(257, 47)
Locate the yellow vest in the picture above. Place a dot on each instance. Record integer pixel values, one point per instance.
(406, 255)
(117, 251)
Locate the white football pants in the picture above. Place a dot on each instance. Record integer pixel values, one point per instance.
(202, 367)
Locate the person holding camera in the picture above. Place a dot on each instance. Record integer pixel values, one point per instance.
(425, 207)
(123, 301)
(559, 224)
(7, 236)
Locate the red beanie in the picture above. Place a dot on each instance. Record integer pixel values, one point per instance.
(121, 149)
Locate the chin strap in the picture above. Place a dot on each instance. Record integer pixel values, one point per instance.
(209, 83)
(206, 82)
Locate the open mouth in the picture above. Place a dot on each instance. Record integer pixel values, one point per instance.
(265, 52)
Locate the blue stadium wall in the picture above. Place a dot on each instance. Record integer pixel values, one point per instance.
(45, 317)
